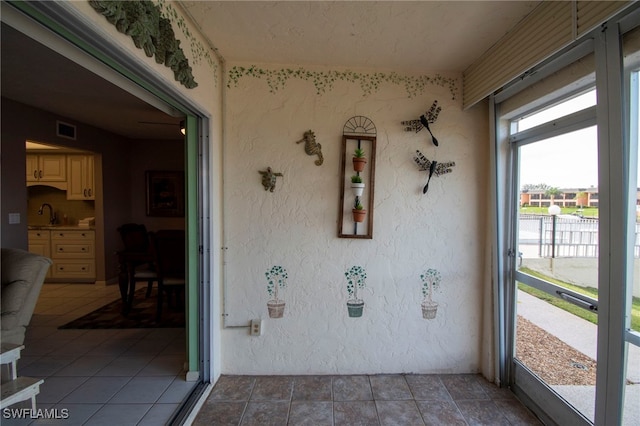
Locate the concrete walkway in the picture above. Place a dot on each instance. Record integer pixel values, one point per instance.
(582, 336)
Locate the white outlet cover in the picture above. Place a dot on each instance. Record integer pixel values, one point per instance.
(14, 218)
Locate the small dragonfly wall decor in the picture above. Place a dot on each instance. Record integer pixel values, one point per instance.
(423, 122)
(433, 167)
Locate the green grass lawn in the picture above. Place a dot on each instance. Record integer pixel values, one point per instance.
(570, 307)
(588, 212)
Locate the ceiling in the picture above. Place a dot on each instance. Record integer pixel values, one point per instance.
(401, 36)
(36, 75)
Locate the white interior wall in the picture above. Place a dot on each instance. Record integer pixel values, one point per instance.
(296, 227)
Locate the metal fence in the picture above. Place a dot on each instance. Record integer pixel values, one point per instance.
(564, 235)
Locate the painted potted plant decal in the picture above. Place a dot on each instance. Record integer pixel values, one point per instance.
(430, 281)
(357, 185)
(356, 279)
(359, 160)
(359, 213)
(276, 278)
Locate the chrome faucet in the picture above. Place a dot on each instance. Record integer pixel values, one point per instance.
(52, 215)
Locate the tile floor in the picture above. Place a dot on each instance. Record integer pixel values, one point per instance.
(411, 400)
(102, 377)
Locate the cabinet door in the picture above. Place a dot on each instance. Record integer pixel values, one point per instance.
(73, 245)
(89, 178)
(53, 168)
(80, 182)
(75, 184)
(74, 269)
(40, 243)
(74, 249)
(32, 168)
(46, 168)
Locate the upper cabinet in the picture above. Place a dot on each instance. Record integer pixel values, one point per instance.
(73, 173)
(48, 168)
(80, 182)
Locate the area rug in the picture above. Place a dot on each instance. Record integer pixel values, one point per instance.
(142, 315)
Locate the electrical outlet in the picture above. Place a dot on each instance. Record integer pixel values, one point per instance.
(256, 327)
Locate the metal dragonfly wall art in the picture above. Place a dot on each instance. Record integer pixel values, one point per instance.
(433, 167)
(423, 122)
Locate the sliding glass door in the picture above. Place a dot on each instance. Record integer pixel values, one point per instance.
(556, 272)
(631, 292)
(569, 286)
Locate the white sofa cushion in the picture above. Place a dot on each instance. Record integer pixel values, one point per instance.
(22, 277)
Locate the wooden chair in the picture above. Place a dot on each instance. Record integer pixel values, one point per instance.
(169, 248)
(136, 240)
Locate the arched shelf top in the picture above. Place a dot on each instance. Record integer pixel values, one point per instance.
(359, 125)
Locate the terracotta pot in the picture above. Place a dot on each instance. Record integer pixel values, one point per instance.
(276, 309)
(429, 310)
(359, 163)
(355, 309)
(359, 215)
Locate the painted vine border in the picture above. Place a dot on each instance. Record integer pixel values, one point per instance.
(324, 80)
(198, 50)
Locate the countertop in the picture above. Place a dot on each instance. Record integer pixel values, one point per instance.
(60, 227)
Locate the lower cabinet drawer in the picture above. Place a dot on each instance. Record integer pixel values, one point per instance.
(73, 269)
(72, 249)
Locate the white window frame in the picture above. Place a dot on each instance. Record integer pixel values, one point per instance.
(616, 158)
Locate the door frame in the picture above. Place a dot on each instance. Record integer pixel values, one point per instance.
(614, 192)
(47, 22)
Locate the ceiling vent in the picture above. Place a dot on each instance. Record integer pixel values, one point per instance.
(65, 130)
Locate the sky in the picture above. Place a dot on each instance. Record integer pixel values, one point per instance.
(567, 161)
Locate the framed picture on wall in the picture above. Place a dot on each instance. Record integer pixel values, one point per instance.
(165, 193)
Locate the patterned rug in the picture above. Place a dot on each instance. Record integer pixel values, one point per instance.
(142, 315)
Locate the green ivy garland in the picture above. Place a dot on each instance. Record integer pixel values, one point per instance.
(198, 50)
(151, 32)
(323, 80)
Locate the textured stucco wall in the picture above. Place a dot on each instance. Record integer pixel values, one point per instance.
(296, 227)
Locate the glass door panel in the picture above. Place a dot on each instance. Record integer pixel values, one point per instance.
(631, 401)
(557, 266)
(572, 318)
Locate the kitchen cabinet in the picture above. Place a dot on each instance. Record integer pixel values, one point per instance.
(80, 182)
(72, 252)
(40, 243)
(50, 168)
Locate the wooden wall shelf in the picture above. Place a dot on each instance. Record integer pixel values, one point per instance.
(348, 227)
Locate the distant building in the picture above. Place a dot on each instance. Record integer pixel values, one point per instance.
(568, 197)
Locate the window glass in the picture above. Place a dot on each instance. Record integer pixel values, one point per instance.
(562, 109)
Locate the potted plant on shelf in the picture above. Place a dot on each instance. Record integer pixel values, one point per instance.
(356, 279)
(359, 213)
(359, 160)
(357, 185)
(430, 281)
(276, 278)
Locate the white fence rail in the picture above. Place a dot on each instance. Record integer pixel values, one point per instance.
(564, 235)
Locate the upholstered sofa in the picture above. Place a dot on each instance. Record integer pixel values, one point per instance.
(22, 276)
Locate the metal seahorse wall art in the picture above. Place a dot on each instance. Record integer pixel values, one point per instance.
(311, 147)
